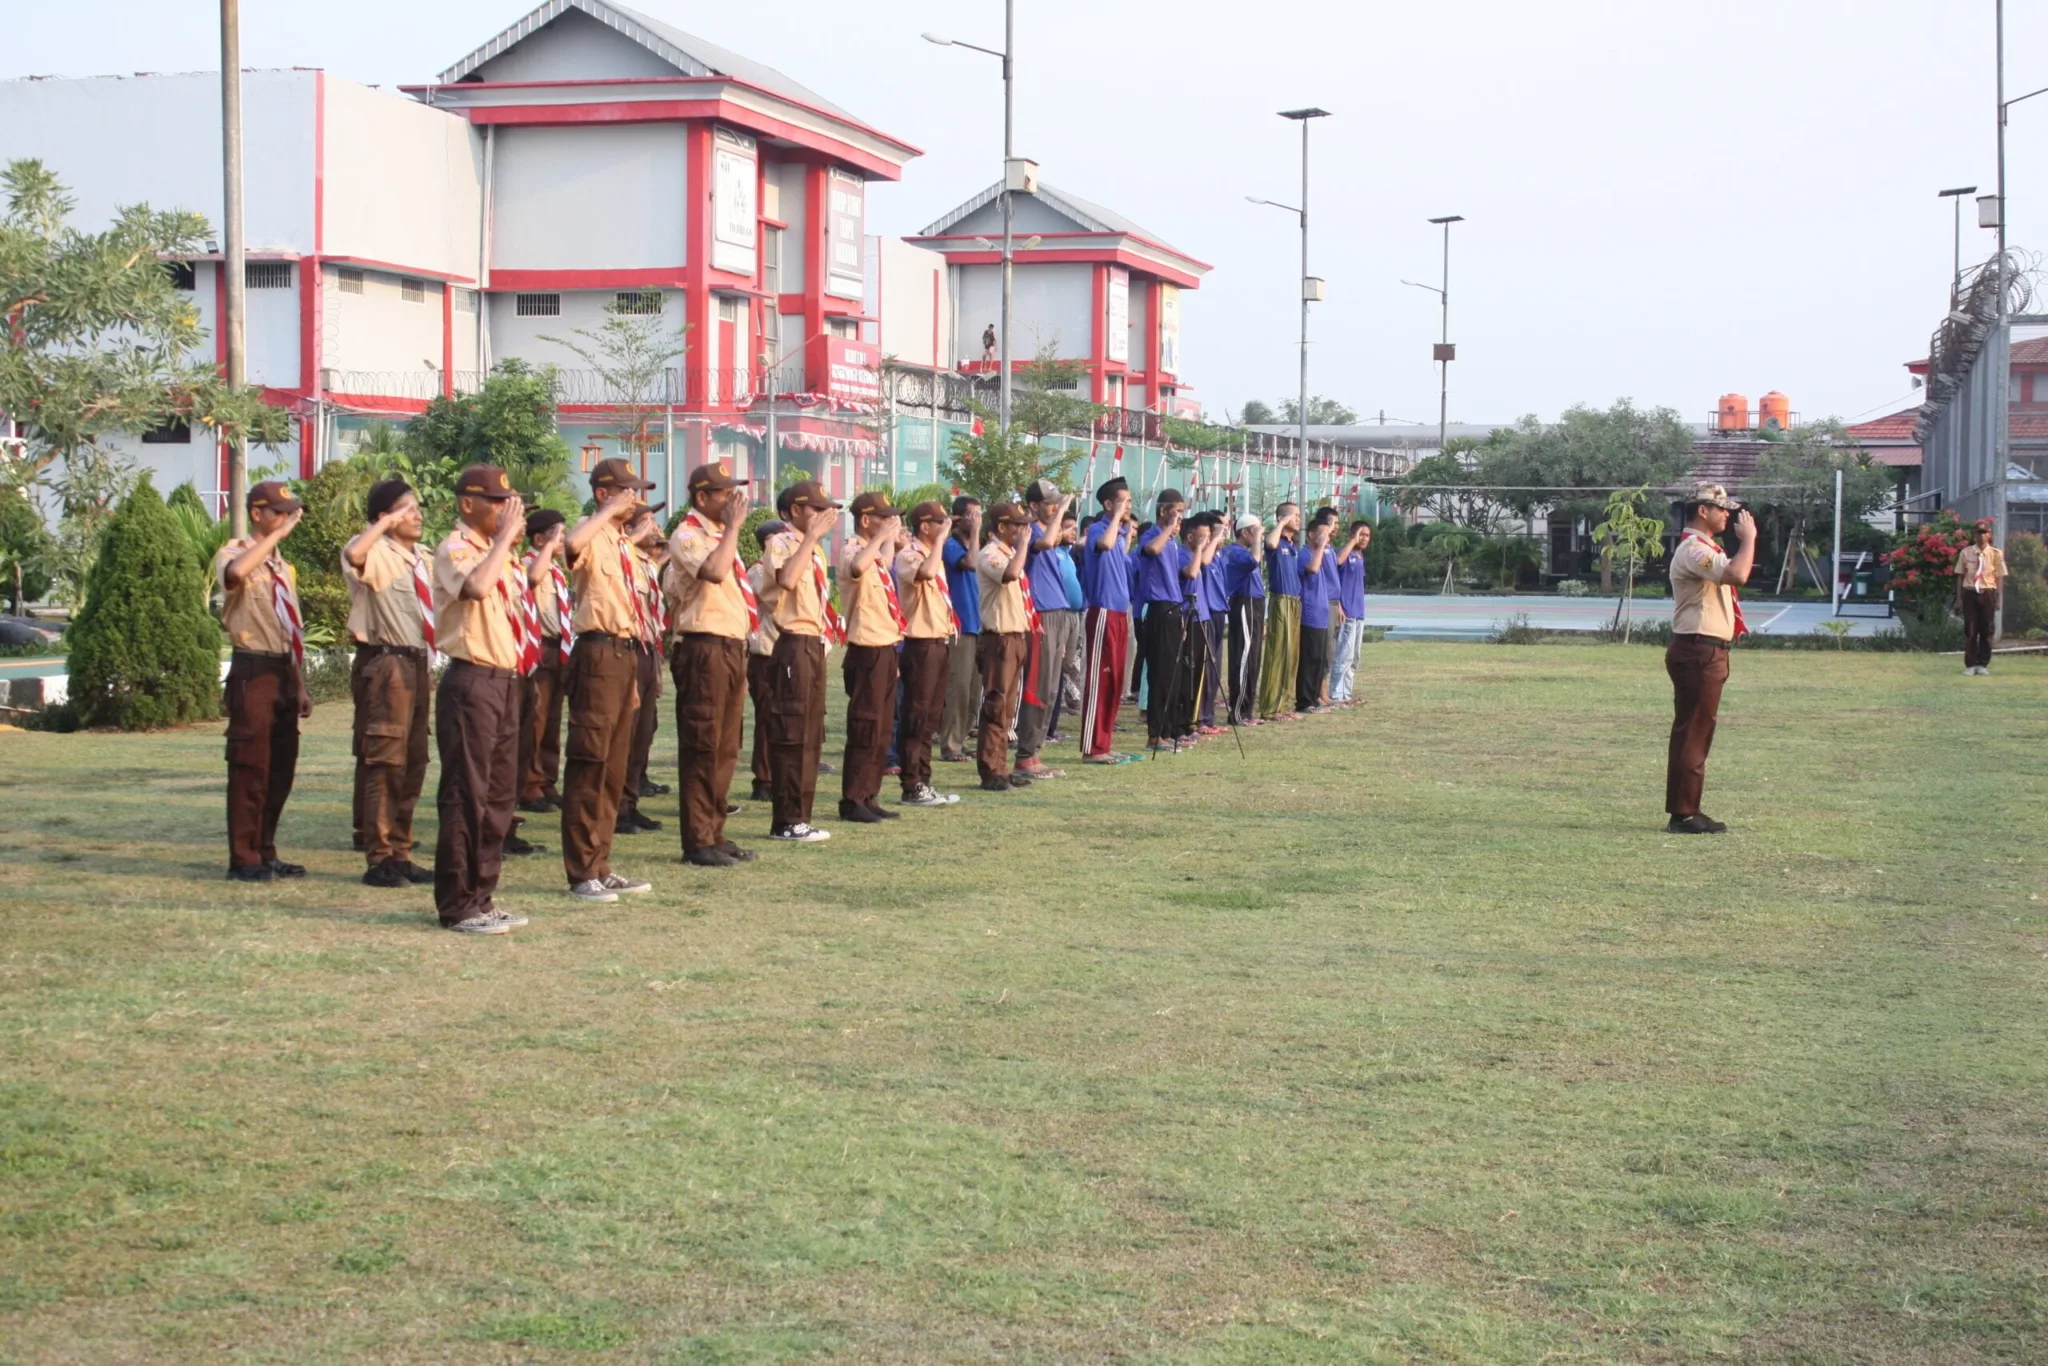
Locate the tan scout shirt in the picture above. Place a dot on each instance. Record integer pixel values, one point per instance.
(383, 606)
(604, 601)
(925, 604)
(798, 610)
(1983, 570)
(249, 612)
(762, 642)
(476, 629)
(698, 606)
(544, 598)
(1701, 603)
(1002, 604)
(867, 602)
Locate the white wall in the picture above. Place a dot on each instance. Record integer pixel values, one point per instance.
(1051, 301)
(403, 181)
(796, 213)
(514, 336)
(588, 198)
(380, 331)
(1030, 214)
(1140, 332)
(574, 47)
(273, 333)
(117, 140)
(912, 280)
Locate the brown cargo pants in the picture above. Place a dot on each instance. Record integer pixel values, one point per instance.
(710, 673)
(540, 724)
(796, 725)
(927, 668)
(604, 676)
(263, 752)
(391, 687)
(477, 717)
(869, 672)
(1001, 656)
(1698, 666)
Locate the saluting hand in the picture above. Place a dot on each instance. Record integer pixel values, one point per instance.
(513, 522)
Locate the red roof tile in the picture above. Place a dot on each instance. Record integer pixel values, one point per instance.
(1896, 427)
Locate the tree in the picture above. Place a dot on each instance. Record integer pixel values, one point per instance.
(145, 651)
(1443, 485)
(25, 546)
(631, 354)
(1047, 396)
(996, 465)
(1633, 537)
(1256, 414)
(1322, 412)
(2025, 600)
(88, 488)
(509, 422)
(96, 336)
(205, 535)
(1796, 479)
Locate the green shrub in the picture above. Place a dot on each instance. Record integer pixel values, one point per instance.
(25, 545)
(2026, 589)
(1573, 588)
(145, 652)
(1516, 630)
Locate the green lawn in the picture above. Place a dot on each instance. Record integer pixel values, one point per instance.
(1407, 1037)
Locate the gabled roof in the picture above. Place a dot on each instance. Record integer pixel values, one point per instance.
(689, 55)
(1091, 217)
(1894, 427)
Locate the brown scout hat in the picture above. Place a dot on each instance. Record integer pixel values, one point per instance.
(873, 505)
(616, 474)
(1713, 496)
(484, 481)
(1008, 514)
(811, 494)
(715, 477)
(929, 512)
(275, 496)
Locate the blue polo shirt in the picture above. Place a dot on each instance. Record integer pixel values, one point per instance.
(1105, 574)
(1159, 577)
(964, 585)
(1317, 588)
(1241, 577)
(1048, 592)
(1351, 586)
(1214, 593)
(1070, 579)
(1283, 569)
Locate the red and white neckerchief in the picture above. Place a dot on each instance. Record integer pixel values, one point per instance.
(657, 606)
(835, 629)
(423, 589)
(524, 615)
(738, 573)
(565, 606)
(629, 579)
(1734, 598)
(1030, 606)
(286, 605)
(888, 578)
(945, 584)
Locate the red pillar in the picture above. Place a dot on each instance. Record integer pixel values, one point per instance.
(817, 248)
(697, 310)
(1098, 338)
(1152, 346)
(448, 338)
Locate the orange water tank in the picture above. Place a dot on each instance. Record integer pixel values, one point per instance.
(1733, 414)
(1774, 411)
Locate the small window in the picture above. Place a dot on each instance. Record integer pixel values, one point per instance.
(176, 432)
(411, 290)
(846, 328)
(267, 274)
(465, 301)
(349, 281)
(538, 306)
(638, 303)
(729, 308)
(183, 276)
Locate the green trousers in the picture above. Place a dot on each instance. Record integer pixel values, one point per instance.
(1283, 655)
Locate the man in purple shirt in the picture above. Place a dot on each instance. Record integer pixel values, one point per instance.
(1059, 627)
(1159, 593)
(1351, 603)
(1278, 670)
(1106, 625)
(1201, 537)
(1244, 589)
(1318, 580)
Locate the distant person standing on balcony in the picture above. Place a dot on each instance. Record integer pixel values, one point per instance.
(1980, 573)
(1706, 619)
(988, 344)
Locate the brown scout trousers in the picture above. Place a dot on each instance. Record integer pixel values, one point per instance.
(540, 724)
(603, 690)
(758, 667)
(476, 715)
(645, 717)
(926, 666)
(711, 678)
(1698, 666)
(1980, 618)
(391, 687)
(1001, 656)
(263, 752)
(870, 675)
(796, 725)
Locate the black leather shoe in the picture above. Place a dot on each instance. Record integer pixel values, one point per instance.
(515, 845)
(418, 875)
(1020, 780)
(714, 857)
(649, 789)
(645, 821)
(829, 769)
(739, 855)
(279, 868)
(884, 812)
(1694, 824)
(761, 793)
(995, 784)
(387, 874)
(254, 872)
(858, 814)
(537, 805)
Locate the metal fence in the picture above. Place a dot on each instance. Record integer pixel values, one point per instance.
(1969, 464)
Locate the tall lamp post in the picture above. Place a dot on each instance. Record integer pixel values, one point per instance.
(1955, 198)
(1014, 178)
(1444, 352)
(231, 258)
(1311, 292)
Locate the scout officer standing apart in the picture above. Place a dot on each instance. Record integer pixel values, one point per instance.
(391, 618)
(930, 624)
(963, 686)
(1106, 625)
(266, 691)
(480, 623)
(540, 724)
(1705, 619)
(796, 671)
(1282, 656)
(1246, 590)
(1059, 626)
(603, 682)
(874, 628)
(713, 612)
(1005, 639)
(1980, 573)
(643, 538)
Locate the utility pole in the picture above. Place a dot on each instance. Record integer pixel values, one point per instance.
(1955, 198)
(1311, 291)
(1009, 207)
(231, 240)
(1445, 352)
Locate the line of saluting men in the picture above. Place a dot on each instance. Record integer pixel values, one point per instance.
(943, 629)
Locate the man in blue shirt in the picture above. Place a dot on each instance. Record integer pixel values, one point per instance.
(1199, 541)
(1214, 597)
(1059, 626)
(1318, 583)
(1244, 590)
(1106, 623)
(1277, 670)
(1160, 593)
(1350, 602)
(963, 677)
(1069, 699)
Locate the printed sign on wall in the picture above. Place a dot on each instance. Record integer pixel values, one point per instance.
(1169, 329)
(853, 372)
(846, 208)
(734, 217)
(1119, 339)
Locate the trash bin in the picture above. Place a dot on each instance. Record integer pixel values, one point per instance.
(1859, 586)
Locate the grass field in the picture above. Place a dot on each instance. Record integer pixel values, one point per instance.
(1409, 1037)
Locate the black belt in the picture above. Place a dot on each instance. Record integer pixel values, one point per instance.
(1695, 635)
(259, 654)
(631, 642)
(486, 670)
(363, 647)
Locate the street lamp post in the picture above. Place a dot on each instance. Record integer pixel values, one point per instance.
(233, 325)
(1445, 352)
(1955, 198)
(1311, 292)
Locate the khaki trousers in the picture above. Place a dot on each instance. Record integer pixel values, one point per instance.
(963, 694)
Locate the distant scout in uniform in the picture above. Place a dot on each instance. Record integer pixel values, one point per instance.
(643, 536)
(540, 726)
(931, 624)
(266, 689)
(391, 620)
(804, 618)
(1005, 640)
(713, 613)
(874, 628)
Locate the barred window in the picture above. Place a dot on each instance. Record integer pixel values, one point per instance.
(465, 301)
(267, 274)
(637, 303)
(182, 275)
(176, 432)
(538, 306)
(411, 290)
(349, 281)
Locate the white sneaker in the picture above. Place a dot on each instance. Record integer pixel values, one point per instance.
(511, 920)
(593, 889)
(482, 923)
(922, 795)
(800, 833)
(626, 885)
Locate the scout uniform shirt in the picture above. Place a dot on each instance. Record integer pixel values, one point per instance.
(545, 599)
(1982, 570)
(697, 606)
(475, 629)
(798, 611)
(1002, 604)
(603, 594)
(927, 603)
(384, 606)
(1702, 604)
(762, 640)
(869, 620)
(249, 613)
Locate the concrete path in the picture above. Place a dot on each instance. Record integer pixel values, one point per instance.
(1475, 616)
